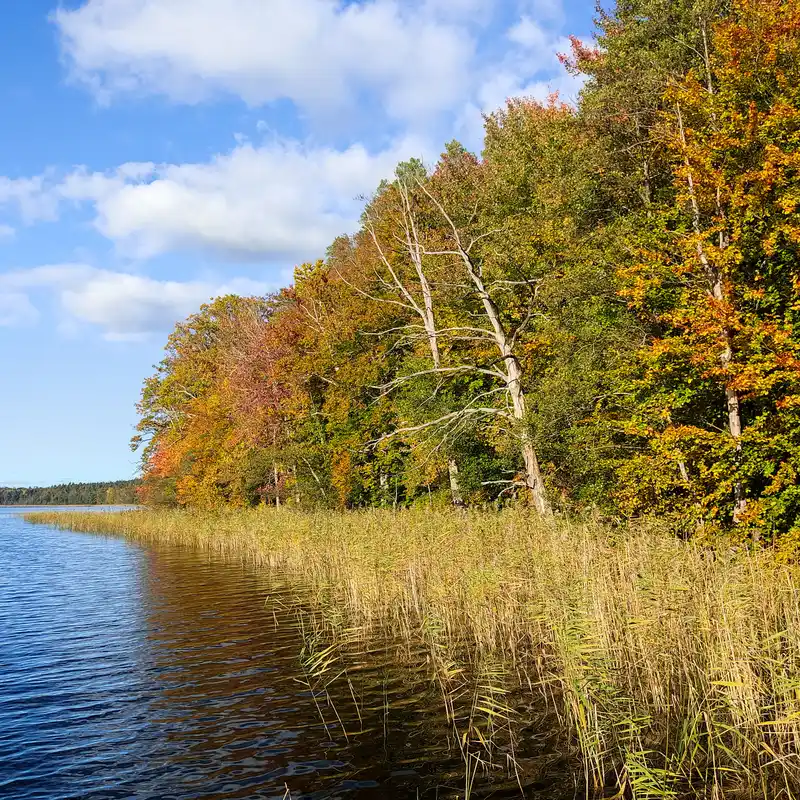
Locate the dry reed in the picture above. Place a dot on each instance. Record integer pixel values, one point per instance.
(674, 669)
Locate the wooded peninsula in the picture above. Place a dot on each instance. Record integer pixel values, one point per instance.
(71, 494)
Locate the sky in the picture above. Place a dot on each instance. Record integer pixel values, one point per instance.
(157, 153)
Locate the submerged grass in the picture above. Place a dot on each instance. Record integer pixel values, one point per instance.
(671, 669)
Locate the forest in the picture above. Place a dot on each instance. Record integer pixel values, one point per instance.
(71, 494)
(597, 313)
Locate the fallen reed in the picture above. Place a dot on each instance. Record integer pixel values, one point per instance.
(673, 669)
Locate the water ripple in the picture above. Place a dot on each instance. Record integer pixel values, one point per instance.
(129, 672)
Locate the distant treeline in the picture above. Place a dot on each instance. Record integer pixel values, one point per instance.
(71, 494)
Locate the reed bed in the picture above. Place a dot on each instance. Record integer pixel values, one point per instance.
(671, 669)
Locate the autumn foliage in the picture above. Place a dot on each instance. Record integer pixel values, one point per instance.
(598, 312)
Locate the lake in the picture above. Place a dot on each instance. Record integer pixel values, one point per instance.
(128, 671)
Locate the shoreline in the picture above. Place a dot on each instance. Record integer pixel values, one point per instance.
(667, 667)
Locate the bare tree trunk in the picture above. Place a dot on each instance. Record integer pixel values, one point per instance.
(428, 318)
(297, 498)
(433, 341)
(533, 474)
(513, 379)
(511, 374)
(452, 467)
(735, 427)
(423, 310)
(275, 478)
(429, 321)
(455, 488)
(513, 371)
(383, 482)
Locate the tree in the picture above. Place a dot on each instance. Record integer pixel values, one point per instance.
(718, 393)
(194, 451)
(396, 226)
(460, 240)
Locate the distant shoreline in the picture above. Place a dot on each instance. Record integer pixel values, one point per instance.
(69, 505)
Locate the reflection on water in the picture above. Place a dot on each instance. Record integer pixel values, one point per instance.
(234, 707)
(149, 673)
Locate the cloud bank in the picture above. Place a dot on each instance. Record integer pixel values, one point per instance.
(280, 201)
(319, 54)
(286, 199)
(421, 71)
(123, 306)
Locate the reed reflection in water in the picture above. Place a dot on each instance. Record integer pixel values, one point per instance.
(236, 708)
(156, 673)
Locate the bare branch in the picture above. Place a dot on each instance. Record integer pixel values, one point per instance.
(398, 283)
(373, 297)
(453, 415)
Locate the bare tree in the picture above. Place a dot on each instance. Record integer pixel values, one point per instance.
(454, 246)
(413, 291)
(462, 246)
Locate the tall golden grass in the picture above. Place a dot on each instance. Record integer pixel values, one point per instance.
(673, 669)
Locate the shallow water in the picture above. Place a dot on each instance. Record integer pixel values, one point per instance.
(128, 671)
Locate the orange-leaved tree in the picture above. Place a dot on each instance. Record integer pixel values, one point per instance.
(719, 386)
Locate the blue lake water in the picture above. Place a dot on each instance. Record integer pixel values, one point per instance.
(135, 672)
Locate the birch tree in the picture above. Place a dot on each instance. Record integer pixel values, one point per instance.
(447, 231)
(400, 271)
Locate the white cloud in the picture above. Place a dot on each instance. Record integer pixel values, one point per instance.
(7, 232)
(317, 53)
(286, 200)
(16, 309)
(283, 199)
(529, 34)
(124, 306)
(530, 68)
(280, 201)
(30, 196)
(527, 68)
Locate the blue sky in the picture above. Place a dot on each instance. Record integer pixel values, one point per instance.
(156, 153)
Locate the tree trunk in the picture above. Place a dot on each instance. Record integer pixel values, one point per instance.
(428, 318)
(735, 427)
(429, 321)
(513, 379)
(297, 498)
(455, 488)
(383, 482)
(433, 342)
(533, 474)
